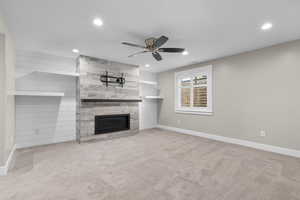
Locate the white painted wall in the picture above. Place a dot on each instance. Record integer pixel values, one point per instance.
(149, 107)
(2, 93)
(45, 120)
(7, 101)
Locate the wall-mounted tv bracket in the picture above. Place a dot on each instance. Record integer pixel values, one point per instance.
(112, 79)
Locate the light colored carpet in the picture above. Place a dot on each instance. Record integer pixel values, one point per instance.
(153, 165)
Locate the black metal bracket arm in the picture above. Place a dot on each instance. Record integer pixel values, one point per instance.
(112, 79)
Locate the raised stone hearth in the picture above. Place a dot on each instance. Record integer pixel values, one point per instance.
(95, 98)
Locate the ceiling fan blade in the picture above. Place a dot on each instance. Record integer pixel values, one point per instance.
(171, 50)
(133, 45)
(137, 53)
(157, 56)
(161, 41)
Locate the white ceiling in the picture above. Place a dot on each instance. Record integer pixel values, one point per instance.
(207, 28)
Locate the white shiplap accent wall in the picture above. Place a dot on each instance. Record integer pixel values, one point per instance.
(45, 120)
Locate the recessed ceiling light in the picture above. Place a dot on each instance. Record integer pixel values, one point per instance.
(266, 26)
(185, 53)
(75, 50)
(147, 65)
(98, 22)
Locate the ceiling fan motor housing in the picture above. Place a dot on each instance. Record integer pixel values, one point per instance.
(150, 43)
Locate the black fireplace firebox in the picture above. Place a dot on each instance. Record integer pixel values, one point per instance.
(111, 123)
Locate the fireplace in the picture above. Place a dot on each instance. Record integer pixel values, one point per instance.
(111, 123)
(101, 109)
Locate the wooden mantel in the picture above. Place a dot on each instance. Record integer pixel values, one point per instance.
(111, 100)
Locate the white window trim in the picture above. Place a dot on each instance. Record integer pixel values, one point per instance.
(191, 73)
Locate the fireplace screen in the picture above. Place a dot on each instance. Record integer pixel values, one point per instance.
(111, 123)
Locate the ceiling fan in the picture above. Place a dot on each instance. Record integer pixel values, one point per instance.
(153, 46)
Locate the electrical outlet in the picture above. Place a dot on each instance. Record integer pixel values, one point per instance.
(263, 133)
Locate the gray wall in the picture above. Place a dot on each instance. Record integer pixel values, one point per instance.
(7, 100)
(253, 91)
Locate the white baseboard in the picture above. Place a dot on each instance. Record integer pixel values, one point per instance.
(41, 142)
(265, 147)
(4, 169)
(148, 128)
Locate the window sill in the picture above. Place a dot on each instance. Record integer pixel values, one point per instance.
(193, 112)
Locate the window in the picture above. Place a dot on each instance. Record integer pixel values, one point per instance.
(193, 90)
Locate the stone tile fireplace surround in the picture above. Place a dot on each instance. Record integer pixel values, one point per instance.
(94, 98)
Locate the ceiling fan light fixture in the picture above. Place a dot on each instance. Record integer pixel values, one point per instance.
(147, 65)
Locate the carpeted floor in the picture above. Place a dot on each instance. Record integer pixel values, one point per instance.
(152, 165)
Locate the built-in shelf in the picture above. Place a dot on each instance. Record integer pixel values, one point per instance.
(153, 97)
(57, 73)
(39, 93)
(148, 82)
(52, 73)
(111, 100)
